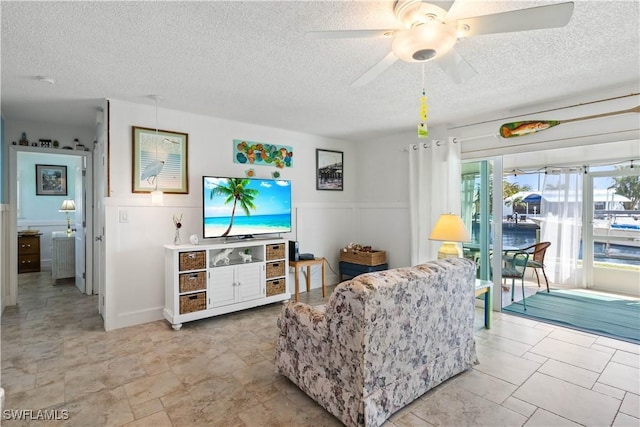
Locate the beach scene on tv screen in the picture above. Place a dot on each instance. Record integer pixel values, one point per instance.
(242, 206)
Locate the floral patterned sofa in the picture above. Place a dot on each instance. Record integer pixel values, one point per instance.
(382, 340)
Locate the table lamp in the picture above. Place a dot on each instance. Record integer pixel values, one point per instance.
(68, 206)
(449, 229)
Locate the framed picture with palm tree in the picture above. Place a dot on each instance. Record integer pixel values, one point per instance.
(329, 170)
(159, 161)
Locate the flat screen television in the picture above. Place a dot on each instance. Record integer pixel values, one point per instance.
(244, 207)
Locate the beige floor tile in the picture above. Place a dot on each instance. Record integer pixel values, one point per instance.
(483, 385)
(623, 420)
(407, 419)
(519, 406)
(631, 405)
(574, 337)
(626, 358)
(500, 343)
(519, 332)
(618, 345)
(147, 408)
(621, 376)
(220, 371)
(572, 354)
(504, 366)
(568, 400)
(607, 390)
(103, 408)
(455, 406)
(158, 419)
(152, 387)
(37, 398)
(578, 376)
(542, 418)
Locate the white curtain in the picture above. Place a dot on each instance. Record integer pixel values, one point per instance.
(434, 189)
(561, 209)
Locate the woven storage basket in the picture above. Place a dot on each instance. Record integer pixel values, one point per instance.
(364, 258)
(275, 251)
(193, 302)
(193, 281)
(192, 260)
(275, 287)
(275, 269)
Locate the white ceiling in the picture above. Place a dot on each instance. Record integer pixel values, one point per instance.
(251, 62)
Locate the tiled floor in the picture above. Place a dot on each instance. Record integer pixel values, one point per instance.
(220, 372)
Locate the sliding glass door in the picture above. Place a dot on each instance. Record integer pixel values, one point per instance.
(611, 246)
(482, 213)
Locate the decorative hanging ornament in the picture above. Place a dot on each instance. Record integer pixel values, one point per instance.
(423, 132)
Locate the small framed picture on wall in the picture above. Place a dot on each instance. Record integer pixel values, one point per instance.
(51, 180)
(329, 170)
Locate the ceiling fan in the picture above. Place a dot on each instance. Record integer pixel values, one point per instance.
(429, 33)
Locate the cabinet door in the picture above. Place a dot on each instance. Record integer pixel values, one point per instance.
(222, 286)
(250, 282)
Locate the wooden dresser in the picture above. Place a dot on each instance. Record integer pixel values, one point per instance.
(28, 253)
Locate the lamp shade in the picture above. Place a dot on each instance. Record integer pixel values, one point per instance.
(449, 228)
(68, 205)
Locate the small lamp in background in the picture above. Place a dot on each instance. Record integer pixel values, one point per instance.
(450, 230)
(68, 206)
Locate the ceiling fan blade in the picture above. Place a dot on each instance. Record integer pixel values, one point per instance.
(376, 70)
(349, 34)
(456, 66)
(454, 10)
(534, 18)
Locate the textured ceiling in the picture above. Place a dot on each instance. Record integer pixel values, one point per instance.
(251, 61)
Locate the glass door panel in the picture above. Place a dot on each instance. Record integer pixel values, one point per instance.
(476, 211)
(611, 250)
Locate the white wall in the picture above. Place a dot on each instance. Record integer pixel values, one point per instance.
(324, 221)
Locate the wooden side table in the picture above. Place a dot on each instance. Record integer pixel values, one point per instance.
(308, 263)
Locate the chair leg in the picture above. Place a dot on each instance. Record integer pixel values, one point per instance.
(523, 301)
(537, 275)
(513, 287)
(545, 279)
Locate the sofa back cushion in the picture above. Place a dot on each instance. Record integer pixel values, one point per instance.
(394, 322)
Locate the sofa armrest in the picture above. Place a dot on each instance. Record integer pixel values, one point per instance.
(305, 320)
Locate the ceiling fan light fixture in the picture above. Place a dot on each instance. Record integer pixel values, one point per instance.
(425, 42)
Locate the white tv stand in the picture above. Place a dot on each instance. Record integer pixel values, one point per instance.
(200, 281)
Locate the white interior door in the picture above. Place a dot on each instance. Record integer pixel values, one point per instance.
(79, 227)
(99, 194)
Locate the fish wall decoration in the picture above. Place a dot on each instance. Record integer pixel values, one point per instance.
(510, 130)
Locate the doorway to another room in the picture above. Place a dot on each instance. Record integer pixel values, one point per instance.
(51, 219)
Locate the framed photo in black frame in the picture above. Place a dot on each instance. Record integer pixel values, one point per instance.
(329, 170)
(51, 180)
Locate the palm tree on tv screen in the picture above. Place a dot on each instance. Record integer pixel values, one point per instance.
(236, 190)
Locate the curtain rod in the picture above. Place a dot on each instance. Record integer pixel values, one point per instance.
(547, 111)
(518, 171)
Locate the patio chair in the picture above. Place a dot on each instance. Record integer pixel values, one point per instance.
(536, 259)
(514, 267)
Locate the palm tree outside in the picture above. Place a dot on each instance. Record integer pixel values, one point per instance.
(237, 192)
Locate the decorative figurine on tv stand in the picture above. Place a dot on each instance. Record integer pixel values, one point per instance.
(223, 255)
(245, 255)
